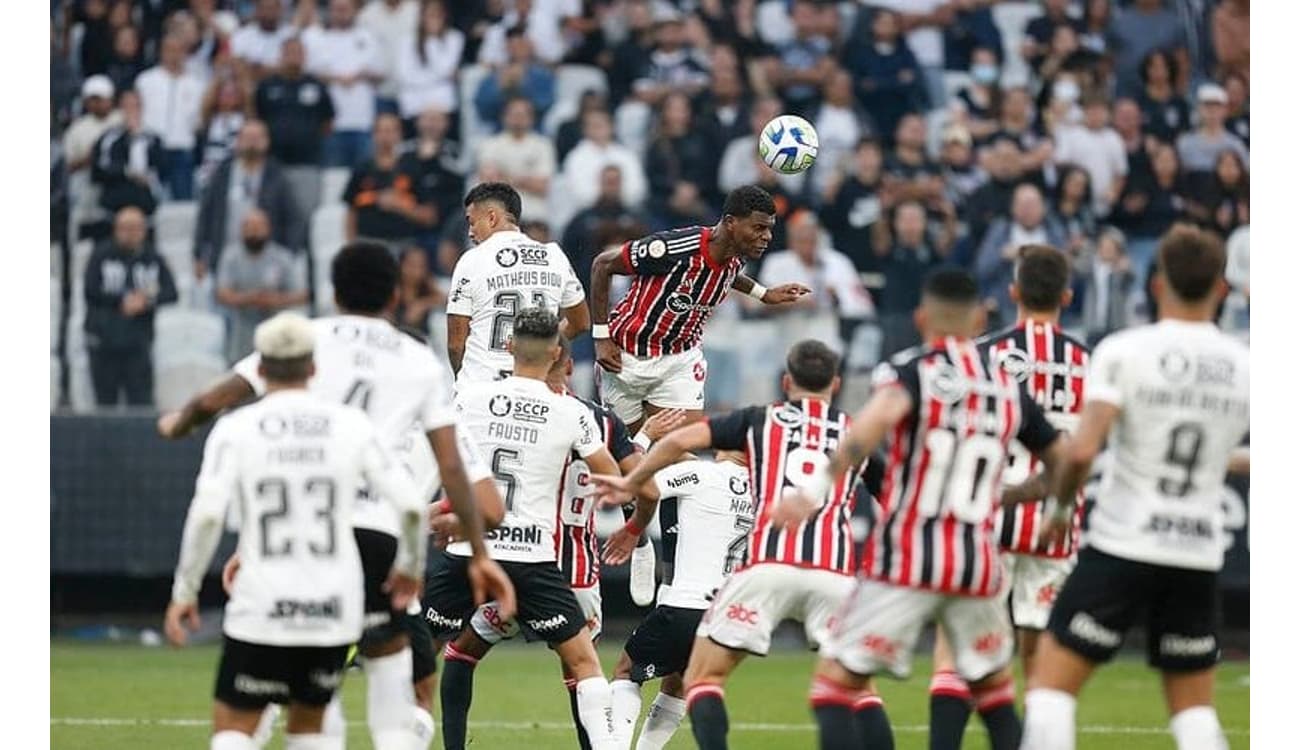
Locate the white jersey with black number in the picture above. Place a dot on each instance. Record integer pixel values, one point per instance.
(367, 363)
(291, 463)
(1183, 390)
(715, 515)
(526, 432)
(492, 282)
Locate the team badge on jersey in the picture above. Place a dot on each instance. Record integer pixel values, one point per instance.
(657, 248)
(738, 486)
(1015, 363)
(1174, 365)
(788, 415)
(947, 384)
(507, 257)
(499, 406)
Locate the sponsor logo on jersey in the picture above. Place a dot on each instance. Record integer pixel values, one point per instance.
(530, 410)
(1175, 366)
(438, 620)
(989, 643)
(493, 617)
(699, 372)
(286, 609)
(515, 534)
(462, 289)
(1018, 365)
(1046, 595)
(742, 614)
(682, 481)
(507, 257)
(1083, 627)
(1182, 645)
(499, 405)
(738, 485)
(551, 623)
(275, 426)
(787, 415)
(249, 685)
(1215, 371)
(533, 256)
(1184, 526)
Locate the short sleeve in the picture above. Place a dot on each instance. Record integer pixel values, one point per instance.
(1105, 374)
(731, 431)
(658, 254)
(1036, 433)
(436, 410)
(476, 469)
(461, 301)
(571, 294)
(678, 479)
(246, 368)
(905, 376)
(620, 444)
(587, 440)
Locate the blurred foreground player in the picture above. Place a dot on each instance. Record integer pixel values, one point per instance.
(283, 463)
(1172, 399)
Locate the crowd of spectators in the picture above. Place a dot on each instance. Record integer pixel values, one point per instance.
(952, 131)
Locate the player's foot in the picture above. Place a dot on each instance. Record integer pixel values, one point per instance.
(642, 584)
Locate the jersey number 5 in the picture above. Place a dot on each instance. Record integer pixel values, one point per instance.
(502, 458)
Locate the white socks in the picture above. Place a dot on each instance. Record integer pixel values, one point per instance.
(424, 727)
(390, 698)
(665, 715)
(627, 707)
(266, 727)
(232, 741)
(312, 742)
(1049, 720)
(1198, 729)
(595, 709)
(333, 724)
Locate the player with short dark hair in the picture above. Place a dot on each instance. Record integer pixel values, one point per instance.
(648, 349)
(802, 572)
(1049, 364)
(948, 419)
(503, 273)
(365, 361)
(1172, 400)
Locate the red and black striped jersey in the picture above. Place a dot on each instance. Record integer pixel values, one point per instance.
(575, 542)
(943, 470)
(1051, 366)
(788, 443)
(675, 287)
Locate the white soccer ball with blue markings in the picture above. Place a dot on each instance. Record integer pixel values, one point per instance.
(788, 144)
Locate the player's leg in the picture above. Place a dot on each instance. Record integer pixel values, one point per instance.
(448, 606)
(459, 660)
(659, 647)
(233, 728)
(665, 714)
(424, 667)
(249, 678)
(571, 686)
(982, 640)
(1035, 582)
(318, 672)
(1183, 644)
(706, 676)
(589, 600)
(950, 698)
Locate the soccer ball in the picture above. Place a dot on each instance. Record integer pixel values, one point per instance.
(788, 144)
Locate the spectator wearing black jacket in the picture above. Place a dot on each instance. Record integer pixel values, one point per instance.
(855, 204)
(125, 281)
(581, 237)
(384, 201)
(298, 112)
(887, 73)
(434, 160)
(246, 180)
(126, 161)
(680, 153)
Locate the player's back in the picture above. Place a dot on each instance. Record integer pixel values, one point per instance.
(492, 282)
(715, 512)
(1183, 390)
(297, 461)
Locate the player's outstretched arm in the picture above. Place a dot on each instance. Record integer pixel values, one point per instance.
(226, 393)
(615, 490)
(1077, 454)
(777, 295)
(575, 320)
(603, 268)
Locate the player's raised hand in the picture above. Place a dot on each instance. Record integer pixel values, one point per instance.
(169, 425)
(402, 588)
(612, 490)
(663, 422)
(784, 293)
(794, 508)
(619, 546)
(488, 581)
(608, 355)
(180, 621)
(228, 572)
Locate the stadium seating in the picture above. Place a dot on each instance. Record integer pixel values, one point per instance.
(176, 379)
(1011, 18)
(180, 332)
(333, 181)
(174, 223)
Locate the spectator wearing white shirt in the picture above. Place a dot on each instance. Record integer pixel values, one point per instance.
(547, 21)
(826, 271)
(79, 146)
(1200, 149)
(347, 57)
(926, 21)
(522, 157)
(1096, 147)
(839, 125)
(427, 65)
(171, 99)
(392, 23)
(596, 151)
(256, 45)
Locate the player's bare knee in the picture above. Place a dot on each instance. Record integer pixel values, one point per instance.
(227, 718)
(470, 643)
(578, 656)
(424, 691)
(994, 681)
(623, 669)
(387, 647)
(1184, 690)
(304, 719)
(829, 669)
(673, 685)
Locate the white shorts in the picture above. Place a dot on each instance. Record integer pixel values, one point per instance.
(878, 627)
(672, 381)
(489, 625)
(753, 601)
(1034, 582)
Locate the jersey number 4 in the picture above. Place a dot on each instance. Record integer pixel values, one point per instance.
(273, 497)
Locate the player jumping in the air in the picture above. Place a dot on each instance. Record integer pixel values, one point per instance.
(1050, 364)
(948, 418)
(648, 349)
(1172, 399)
(801, 573)
(281, 466)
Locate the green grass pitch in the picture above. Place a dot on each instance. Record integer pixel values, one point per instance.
(113, 697)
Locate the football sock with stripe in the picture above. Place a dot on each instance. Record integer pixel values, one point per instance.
(997, 709)
(873, 723)
(596, 710)
(708, 716)
(950, 707)
(456, 692)
(661, 722)
(832, 705)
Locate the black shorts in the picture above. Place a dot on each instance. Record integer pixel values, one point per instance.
(378, 552)
(661, 644)
(251, 675)
(668, 536)
(1105, 596)
(548, 610)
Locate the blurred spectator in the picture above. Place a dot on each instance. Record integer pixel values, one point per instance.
(256, 279)
(886, 72)
(298, 112)
(245, 181)
(1221, 202)
(1128, 125)
(98, 115)
(993, 198)
(1232, 38)
(724, 109)
(257, 44)
(225, 108)
(127, 61)
(1236, 309)
(1041, 30)
(525, 158)
(347, 58)
(924, 21)
(961, 175)
(393, 24)
(907, 256)
(96, 36)
(980, 101)
(803, 63)
(839, 122)
(1165, 114)
(438, 174)
(1017, 121)
(680, 164)
(547, 23)
(581, 169)
(673, 65)
(1073, 206)
(200, 37)
(1094, 31)
(854, 204)
(632, 55)
(972, 28)
(740, 164)
(1199, 149)
(908, 168)
(1137, 30)
(384, 202)
(580, 238)
(537, 231)
(1061, 109)
(569, 133)
(521, 75)
(1028, 224)
(1109, 282)
(826, 271)
(1238, 108)
(59, 203)
(1150, 204)
(125, 281)
(171, 99)
(418, 294)
(1097, 148)
(427, 65)
(127, 161)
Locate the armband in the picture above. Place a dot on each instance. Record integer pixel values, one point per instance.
(757, 291)
(600, 330)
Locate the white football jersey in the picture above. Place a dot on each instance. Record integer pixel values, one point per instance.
(526, 432)
(292, 463)
(1183, 390)
(367, 363)
(493, 281)
(715, 515)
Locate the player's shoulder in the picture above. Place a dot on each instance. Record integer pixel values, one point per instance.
(682, 241)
